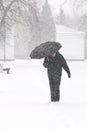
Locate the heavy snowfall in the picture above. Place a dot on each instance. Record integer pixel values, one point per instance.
(25, 97)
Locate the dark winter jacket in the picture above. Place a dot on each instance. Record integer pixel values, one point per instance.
(54, 66)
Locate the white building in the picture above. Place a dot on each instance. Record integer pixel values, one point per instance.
(72, 41)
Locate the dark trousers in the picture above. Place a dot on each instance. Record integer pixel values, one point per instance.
(54, 90)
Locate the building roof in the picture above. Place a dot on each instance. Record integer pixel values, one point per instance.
(65, 29)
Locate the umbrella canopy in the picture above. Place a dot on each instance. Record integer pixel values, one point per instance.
(45, 49)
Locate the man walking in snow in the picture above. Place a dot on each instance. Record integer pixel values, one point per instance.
(54, 65)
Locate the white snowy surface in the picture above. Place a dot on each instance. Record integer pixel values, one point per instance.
(25, 98)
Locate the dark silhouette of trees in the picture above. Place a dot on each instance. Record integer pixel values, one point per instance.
(47, 25)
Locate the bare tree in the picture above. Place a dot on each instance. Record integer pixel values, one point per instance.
(15, 12)
(11, 12)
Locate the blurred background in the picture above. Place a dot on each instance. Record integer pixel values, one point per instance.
(25, 24)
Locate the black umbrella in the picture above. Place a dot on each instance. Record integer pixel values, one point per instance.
(45, 49)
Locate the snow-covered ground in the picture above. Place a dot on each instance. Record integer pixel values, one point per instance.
(25, 98)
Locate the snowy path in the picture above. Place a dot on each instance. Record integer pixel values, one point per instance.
(25, 98)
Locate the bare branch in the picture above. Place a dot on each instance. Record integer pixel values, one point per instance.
(5, 12)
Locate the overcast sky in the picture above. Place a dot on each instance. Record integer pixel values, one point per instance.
(56, 3)
(67, 6)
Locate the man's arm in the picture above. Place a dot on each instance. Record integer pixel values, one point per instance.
(46, 62)
(65, 67)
